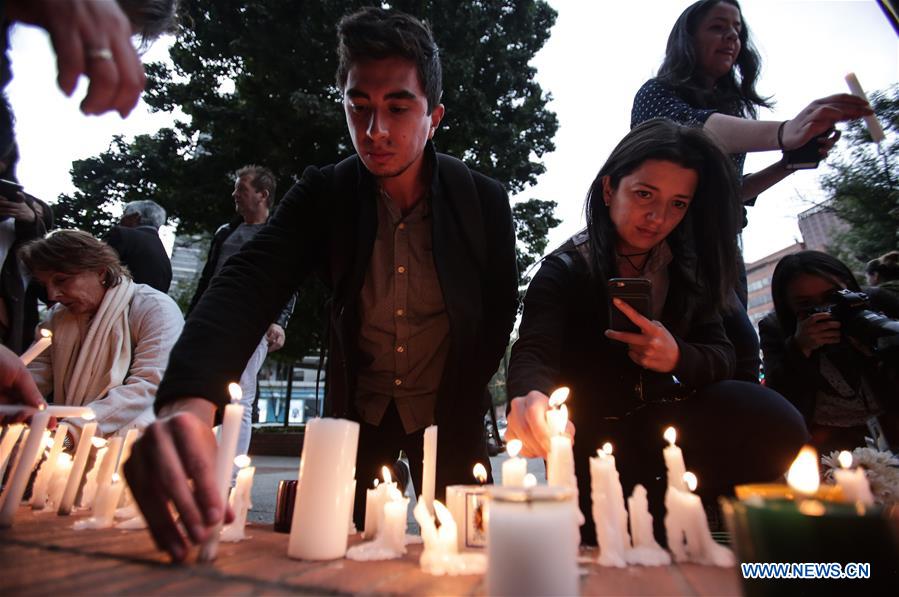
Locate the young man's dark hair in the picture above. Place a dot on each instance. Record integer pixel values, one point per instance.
(375, 33)
(263, 180)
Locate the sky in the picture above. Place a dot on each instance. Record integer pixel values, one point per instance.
(597, 57)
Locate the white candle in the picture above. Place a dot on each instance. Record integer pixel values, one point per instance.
(374, 503)
(515, 468)
(351, 497)
(689, 538)
(674, 460)
(60, 477)
(609, 513)
(429, 467)
(74, 482)
(40, 488)
(327, 467)
(104, 506)
(394, 519)
(108, 466)
(467, 504)
(532, 547)
(645, 549)
(89, 491)
(18, 479)
(560, 461)
(871, 121)
(241, 500)
(38, 347)
(224, 459)
(853, 482)
(10, 437)
(440, 554)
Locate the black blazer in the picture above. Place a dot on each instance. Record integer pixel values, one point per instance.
(325, 225)
(142, 252)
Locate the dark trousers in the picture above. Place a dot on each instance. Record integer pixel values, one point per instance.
(380, 445)
(730, 432)
(742, 335)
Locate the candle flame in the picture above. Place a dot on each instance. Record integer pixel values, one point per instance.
(242, 461)
(845, 459)
(607, 448)
(558, 397)
(376, 483)
(116, 478)
(385, 473)
(803, 474)
(691, 481)
(88, 414)
(63, 459)
(235, 392)
(513, 448)
(48, 441)
(670, 435)
(99, 442)
(480, 473)
(46, 333)
(530, 480)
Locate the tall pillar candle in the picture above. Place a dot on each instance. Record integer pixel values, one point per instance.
(327, 466)
(532, 544)
(429, 467)
(674, 460)
(224, 463)
(514, 469)
(40, 488)
(81, 454)
(12, 496)
(11, 435)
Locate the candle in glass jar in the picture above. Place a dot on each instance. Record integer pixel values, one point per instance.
(853, 482)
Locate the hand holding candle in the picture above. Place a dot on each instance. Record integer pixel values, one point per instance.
(871, 121)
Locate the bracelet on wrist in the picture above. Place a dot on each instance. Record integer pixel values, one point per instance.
(780, 135)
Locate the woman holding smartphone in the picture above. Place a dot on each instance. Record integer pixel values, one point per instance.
(707, 80)
(664, 207)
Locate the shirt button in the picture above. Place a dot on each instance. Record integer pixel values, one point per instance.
(401, 269)
(400, 349)
(397, 382)
(402, 226)
(400, 312)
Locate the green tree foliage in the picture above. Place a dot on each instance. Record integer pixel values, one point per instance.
(254, 83)
(863, 185)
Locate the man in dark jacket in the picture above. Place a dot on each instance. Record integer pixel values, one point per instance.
(419, 255)
(136, 240)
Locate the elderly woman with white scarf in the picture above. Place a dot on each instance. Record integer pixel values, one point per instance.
(111, 337)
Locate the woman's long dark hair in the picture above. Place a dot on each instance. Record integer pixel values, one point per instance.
(704, 244)
(731, 94)
(814, 263)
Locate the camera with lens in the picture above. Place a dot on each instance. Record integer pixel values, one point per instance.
(869, 329)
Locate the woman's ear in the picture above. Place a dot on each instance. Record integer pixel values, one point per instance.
(606, 190)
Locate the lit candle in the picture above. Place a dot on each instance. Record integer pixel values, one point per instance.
(18, 479)
(645, 551)
(515, 468)
(803, 475)
(560, 461)
(40, 488)
(54, 410)
(467, 504)
(394, 513)
(871, 121)
(224, 460)
(853, 482)
(89, 491)
(327, 468)
(533, 543)
(104, 506)
(374, 503)
(530, 480)
(241, 500)
(429, 466)
(674, 460)
(689, 538)
(127, 508)
(107, 467)
(38, 347)
(440, 554)
(81, 453)
(10, 437)
(609, 513)
(57, 485)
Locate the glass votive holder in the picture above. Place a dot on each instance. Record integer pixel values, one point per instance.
(284, 502)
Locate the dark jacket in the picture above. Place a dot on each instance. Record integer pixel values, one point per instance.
(215, 250)
(326, 225)
(562, 343)
(797, 378)
(21, 302)
(141, 251)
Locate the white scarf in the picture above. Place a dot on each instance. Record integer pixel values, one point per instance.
(87, 365)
